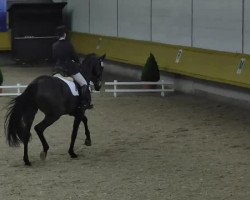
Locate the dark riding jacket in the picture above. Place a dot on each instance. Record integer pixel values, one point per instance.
(67, 61)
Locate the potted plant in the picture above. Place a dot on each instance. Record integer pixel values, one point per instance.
(150, 71)
(1, 80)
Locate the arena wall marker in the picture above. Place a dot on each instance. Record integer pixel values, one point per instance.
(241, 66)
(178, 56)
(98, 45)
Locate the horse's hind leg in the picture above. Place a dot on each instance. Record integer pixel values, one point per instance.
(28, 118)
(87, 133)
(25, 156)
(39, 128)
(71, 152)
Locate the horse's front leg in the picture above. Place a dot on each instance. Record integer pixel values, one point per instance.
(87, 133)
(77, 121)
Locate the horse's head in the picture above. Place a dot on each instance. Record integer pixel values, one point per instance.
(92, 68)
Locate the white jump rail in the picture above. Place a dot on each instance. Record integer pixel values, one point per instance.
(18, 88)
(163, 89)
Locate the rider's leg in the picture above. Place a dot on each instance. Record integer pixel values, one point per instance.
(84, 92)
(79, 79)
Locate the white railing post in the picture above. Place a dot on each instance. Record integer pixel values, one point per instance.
(18, 89)
(115, 87)
(162, 88)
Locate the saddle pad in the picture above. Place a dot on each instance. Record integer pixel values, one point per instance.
(70, 83)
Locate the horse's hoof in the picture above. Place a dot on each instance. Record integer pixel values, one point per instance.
(43, 155)
(88, 142)
(27, 163)
(73, 155)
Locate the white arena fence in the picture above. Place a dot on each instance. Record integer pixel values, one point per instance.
(15, 90)
(12, 90)
(164, 87)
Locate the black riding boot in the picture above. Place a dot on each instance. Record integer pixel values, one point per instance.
(85, 97)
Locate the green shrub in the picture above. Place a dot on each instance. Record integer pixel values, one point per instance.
(150, 70)
(1, 77)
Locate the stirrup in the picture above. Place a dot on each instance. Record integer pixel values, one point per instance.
(90, 106)
(86, 107)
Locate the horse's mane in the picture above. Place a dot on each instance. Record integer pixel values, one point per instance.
(90, 60)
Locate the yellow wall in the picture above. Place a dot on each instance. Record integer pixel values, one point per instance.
(5, 43)
(198, 63)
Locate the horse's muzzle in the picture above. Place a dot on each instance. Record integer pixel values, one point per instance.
(98, 86)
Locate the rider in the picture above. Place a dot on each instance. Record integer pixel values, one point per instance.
(67, 63)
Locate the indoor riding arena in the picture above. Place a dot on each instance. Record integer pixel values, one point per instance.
(187, 137)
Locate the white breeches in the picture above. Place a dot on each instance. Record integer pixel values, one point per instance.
(79, 79)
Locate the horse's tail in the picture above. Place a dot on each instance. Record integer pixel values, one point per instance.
(20, 109)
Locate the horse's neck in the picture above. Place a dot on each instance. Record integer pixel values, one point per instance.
(86, 76)
(87, 66)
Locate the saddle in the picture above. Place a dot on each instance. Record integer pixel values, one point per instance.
(74, 87)
(70, 82)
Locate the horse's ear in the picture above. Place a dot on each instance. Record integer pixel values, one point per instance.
(102, 57)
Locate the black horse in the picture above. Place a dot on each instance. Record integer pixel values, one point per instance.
(53, 97)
